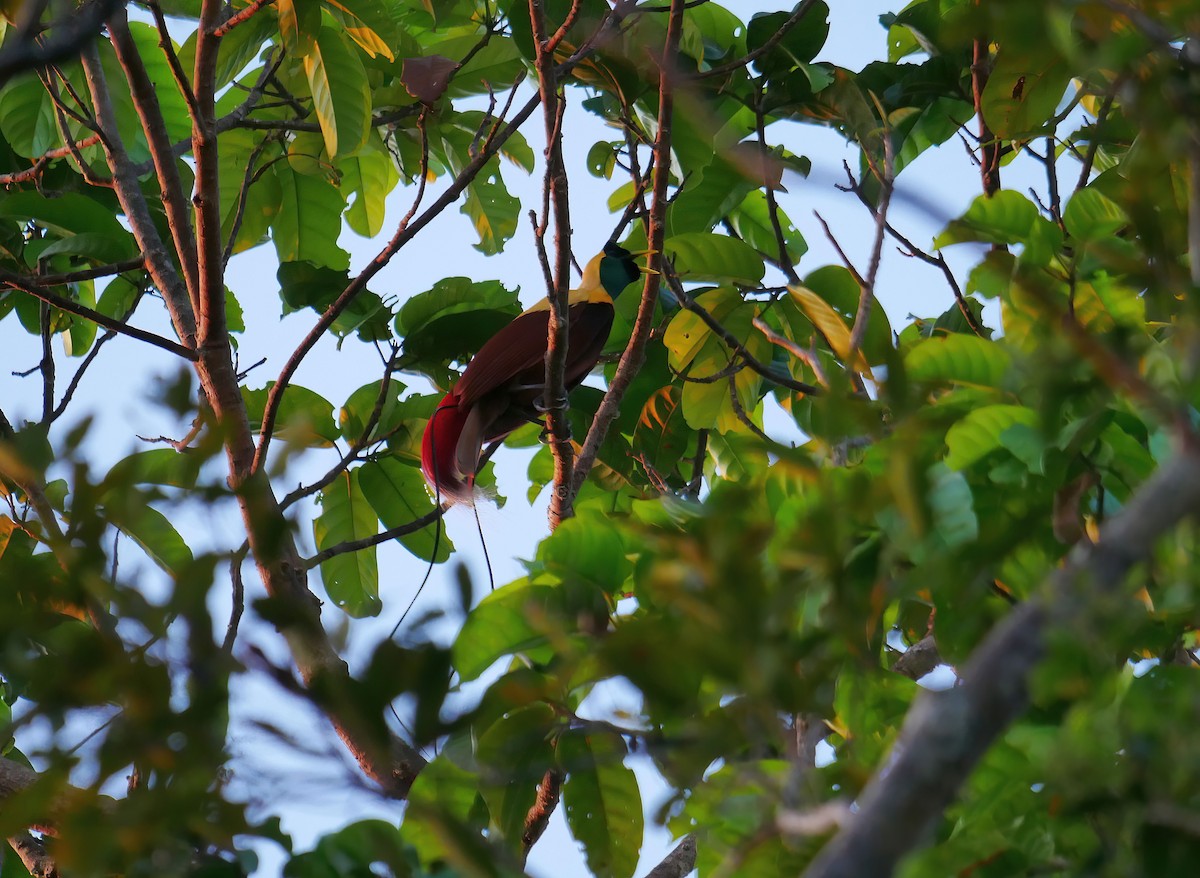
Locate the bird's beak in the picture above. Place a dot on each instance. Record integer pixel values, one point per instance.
(645, 269)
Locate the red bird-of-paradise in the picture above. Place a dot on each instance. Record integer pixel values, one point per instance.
(503, 385)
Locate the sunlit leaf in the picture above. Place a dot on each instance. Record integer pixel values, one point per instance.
(351, 579)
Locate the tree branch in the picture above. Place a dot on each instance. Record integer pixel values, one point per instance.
(947, 733)
(679, 862)
(39, 164)
(133, 203)
(33, 287)
(554, 396)
(635, 351)
(71, 35)
(33, 855)
(793, 20)
(145, 102)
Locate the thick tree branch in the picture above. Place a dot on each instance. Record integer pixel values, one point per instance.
(133, 203)
(145, 101)
(635, 351)
(679, 862)
(33, 855)
(554, 397)
(947, 733)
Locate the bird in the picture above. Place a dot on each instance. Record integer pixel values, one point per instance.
(503, 385)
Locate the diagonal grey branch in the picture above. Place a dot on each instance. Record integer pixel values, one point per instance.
(947, 733)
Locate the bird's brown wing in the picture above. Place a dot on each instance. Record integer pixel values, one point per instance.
(513, 358)
(515, 348)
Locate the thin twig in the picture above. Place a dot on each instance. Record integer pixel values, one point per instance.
(29, 287)
(866, 298)
(737, 64)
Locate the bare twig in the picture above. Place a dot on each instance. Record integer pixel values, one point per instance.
(39, 164)
(385, 536)
(737, 64)
(240, 17)
(866, 298)
(33, 288)
(807, 357)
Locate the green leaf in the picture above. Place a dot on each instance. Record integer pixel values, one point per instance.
(305, 418)
(959, 359)
(368, 177)
(491, 208)
(800, 45)
(309, 220)
(688, 333)
(752, 221)
(662, 436)
(369, 24)
(980, 432)
(514, 754)
(504, 623)
(1007, 217)
(453, 319)
(398, 495)
(443, 791)
(151, 530)
(159, 466)
(80, 333)
(703, 256)
(304, 285)
(70, 214)
(352, 578)
(1090, 216)
(341, 97)
(1023, 90)
(588, 549)
(604, 805)
(299, 23)
(829, 323)
(27, 116)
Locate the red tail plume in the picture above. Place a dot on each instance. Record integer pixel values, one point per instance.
(439, 451)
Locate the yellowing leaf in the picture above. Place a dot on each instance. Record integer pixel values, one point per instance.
(830, 324)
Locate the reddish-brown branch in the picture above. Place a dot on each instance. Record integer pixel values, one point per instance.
(133, 202)
(548, 794)
(240, 17)
(554, 397)
(635, 351)
(39, 164)
(989, 146)
(145, 102)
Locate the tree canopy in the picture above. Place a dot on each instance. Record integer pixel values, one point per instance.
(1002, 488)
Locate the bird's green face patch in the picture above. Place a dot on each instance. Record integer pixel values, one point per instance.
(617, 269)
